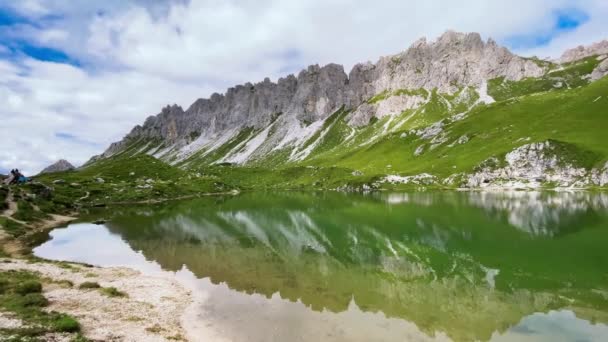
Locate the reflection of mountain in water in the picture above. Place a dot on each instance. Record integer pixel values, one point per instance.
(436, 261)
(544, 213)
(538, 213)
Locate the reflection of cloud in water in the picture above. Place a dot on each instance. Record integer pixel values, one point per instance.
(554, 326)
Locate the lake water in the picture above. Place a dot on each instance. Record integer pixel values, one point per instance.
(462, 266)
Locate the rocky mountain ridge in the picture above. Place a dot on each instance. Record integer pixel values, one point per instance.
(452, 61)
(433, 114)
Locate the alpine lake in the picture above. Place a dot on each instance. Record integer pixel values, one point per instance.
(331, 266)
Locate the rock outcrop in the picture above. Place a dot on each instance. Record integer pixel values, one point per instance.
(600, 71)
(529, 166)
(580, 52)
(59, 166)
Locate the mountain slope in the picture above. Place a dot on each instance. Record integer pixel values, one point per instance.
(452, 112)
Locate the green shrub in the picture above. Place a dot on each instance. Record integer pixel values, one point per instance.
(66, 323)
(112, 292)
(29, 286)
(34, 300)
(4, 284)
(89, 285)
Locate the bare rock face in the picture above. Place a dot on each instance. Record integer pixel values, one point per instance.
(599, 176)
(600, 71)
(59, 166)
(579, 52)
(392, 105)
(528, 166)
(455, 59)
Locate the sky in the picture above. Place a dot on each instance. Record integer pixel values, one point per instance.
(76, 75)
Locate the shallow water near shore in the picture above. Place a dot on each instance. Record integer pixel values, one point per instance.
(462, 266)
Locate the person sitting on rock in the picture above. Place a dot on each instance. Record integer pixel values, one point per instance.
(20, 177)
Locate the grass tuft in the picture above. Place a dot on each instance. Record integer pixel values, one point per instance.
(112, 292)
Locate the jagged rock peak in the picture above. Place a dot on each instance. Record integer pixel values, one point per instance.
(59, 166)
(450, 62)
(579, 52)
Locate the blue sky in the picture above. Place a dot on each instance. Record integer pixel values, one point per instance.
(564, 21)
(79, 74)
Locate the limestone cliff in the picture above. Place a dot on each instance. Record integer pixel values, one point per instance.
(452, 61)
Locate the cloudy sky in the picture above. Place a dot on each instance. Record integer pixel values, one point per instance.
(78, 74)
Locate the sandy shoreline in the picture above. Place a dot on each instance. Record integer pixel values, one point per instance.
(154, 310)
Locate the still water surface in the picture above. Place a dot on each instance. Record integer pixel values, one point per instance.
(515, 266)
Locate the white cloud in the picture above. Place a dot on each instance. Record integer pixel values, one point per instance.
(42, 99)
(138, 56)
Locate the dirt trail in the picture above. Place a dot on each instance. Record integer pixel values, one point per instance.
(12, 205)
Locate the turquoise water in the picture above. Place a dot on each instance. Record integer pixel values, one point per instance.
(516, 266)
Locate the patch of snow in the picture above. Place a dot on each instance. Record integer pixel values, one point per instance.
(419, 150)
(599, 97)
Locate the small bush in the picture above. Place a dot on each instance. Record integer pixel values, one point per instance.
(155, 329)
(112, 292)
(65, 283)
(34, 299)
(66, 324)
(89, 285)
(3, 285)
(29, 286)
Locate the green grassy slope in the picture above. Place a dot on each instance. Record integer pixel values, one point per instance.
(128, 178)
(576, 116)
